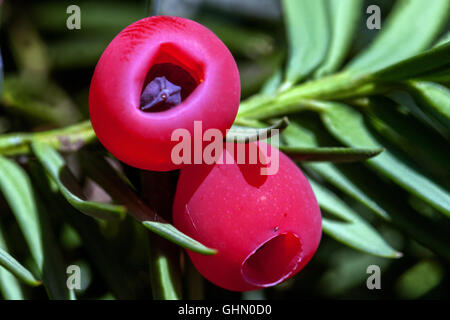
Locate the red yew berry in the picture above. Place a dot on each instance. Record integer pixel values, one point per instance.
(265, 228)
(157, 75)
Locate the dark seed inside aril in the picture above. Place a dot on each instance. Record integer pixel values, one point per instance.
(166, 86)
(160, 94)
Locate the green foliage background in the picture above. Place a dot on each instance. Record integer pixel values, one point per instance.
(369, 123)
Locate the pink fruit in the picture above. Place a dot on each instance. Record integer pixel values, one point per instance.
(157, 75)
(265, 228)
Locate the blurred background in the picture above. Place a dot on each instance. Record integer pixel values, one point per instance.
(47, 71)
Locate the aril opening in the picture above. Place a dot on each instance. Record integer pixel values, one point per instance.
(172, 77)
(274, 261)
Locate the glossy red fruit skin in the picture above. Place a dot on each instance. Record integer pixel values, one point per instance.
(234, 209)
(143, 139)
